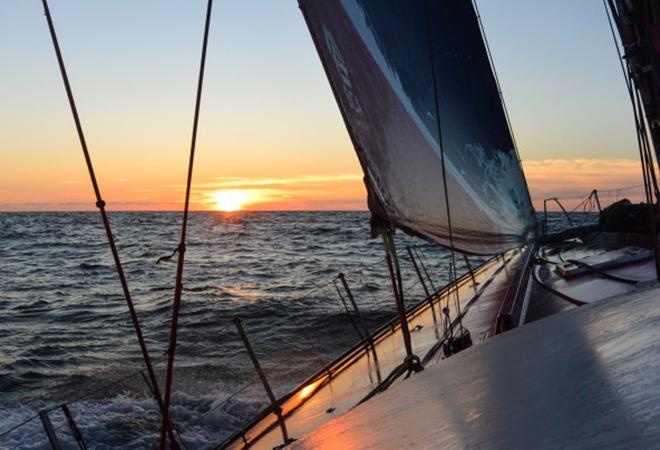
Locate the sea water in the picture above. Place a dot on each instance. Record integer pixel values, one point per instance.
(66, 335)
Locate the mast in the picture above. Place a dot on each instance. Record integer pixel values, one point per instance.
(638, 29)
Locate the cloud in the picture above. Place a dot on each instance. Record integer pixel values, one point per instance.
(272, 182)
(299, 192)
(568, 179)
(573, 179)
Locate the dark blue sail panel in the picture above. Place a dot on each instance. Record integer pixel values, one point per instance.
(378, 58)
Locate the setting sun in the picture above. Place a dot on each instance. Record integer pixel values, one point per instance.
(229, 201)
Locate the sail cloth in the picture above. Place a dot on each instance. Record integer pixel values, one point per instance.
(377, 56)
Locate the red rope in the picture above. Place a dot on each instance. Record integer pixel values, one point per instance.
(178, 289)
(101, 205)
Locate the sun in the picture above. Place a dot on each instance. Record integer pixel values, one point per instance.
(230, 201)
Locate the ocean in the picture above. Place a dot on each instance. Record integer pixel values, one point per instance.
(66, 336)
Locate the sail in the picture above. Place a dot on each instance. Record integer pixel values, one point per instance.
(380, 58)
(638, 24)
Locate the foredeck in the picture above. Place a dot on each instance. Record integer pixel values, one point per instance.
(585, 378)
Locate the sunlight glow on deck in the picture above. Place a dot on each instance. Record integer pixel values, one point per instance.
(308, 390)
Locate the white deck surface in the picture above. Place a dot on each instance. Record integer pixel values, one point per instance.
(585, 378)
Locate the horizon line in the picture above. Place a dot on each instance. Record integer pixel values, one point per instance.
(2, 211)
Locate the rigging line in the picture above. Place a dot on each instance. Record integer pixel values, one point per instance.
(178, 288)
(348, 313)
(426, 245)
(559, 294)
(176, 429)
(643, 142)
(442, 150)
(625, 188)
(649, 157)
(627, 78)
(310, 342)
(616, 43)
(104, 216)
(229, 397)
(18, 425)
(306, 295)
(422, 258)
(104, 387)
(374, 301)
(602, 273)
(499, 91)
(583, 202)
(78, 399)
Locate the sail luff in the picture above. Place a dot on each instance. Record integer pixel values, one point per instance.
(373, 205)
(501, 95)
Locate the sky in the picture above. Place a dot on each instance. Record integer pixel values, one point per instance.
(270, 134)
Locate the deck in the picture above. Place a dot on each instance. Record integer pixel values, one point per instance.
(585, 378)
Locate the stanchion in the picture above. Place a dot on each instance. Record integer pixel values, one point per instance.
(262, 376)
(411, 361)
(368, 338)
(75, 431)
(50, 431)
(419, 274)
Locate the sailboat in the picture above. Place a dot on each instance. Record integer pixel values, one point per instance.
(485, 361)
(421, 102)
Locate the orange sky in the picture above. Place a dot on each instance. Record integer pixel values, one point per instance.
(269, 123)
(48, 189)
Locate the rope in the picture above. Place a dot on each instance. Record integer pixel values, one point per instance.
(79, 398)
(100, 203)
(442, 151)
(348, 313)
(615, 190)
(314, 290)
(310, 342)
(15, 427)
(501, 95)
(229, 397)
(559, 294)
(170, 256)
(637, 116)
(601, 272)
(422, 258)
(178, 289)
(625, 188)
(374, 301)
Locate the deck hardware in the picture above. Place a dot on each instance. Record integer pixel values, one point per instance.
(545, 212)
(348, 312)
(419, 274)
(277, 409)
(50, 431)
(411, 360)
(469, 266)
(429, 297)
(75, 431)
(367, 335)
(594, 195)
